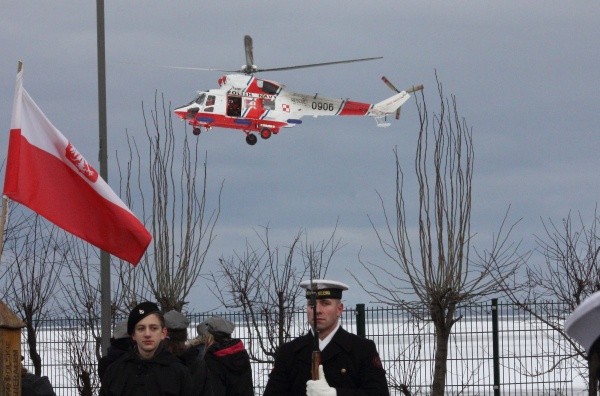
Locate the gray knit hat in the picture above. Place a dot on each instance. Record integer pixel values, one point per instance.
(175, 320)
(215, 325)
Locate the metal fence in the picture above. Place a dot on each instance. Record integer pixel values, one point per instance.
(495, 349)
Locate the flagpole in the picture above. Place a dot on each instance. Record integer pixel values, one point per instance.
(2, 223)
(4, 197)
(105, 297)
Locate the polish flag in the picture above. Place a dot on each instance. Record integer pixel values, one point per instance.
(46, 173)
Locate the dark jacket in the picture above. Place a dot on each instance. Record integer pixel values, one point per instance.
(117, 348)
(163, 375)
(351, 365)
(32, 385)
(193, 359)
(229, 368)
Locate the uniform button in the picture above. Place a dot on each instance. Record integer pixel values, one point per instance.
(343, 371)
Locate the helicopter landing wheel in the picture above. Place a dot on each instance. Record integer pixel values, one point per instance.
(251, 139)
(265, 133)
(196, 131)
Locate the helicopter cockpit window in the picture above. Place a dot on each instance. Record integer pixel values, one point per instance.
(209, 105)
(200, 99)
(268, 87)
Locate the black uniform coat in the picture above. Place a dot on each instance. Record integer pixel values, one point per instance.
(162, 375)
(351, 365)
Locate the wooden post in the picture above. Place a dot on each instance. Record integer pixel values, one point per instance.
(10, 352)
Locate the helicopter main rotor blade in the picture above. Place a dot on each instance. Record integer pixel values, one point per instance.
(248, 48)
(195, 68)
(178, 67)
(318, 64)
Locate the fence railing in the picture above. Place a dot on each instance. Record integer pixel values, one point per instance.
(495, 349)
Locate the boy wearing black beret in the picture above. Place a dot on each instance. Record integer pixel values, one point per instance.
(147, 369)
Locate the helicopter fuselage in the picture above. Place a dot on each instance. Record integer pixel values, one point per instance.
(250, 104)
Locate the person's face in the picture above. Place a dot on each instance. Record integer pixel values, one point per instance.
(148, 333)
(328, 312)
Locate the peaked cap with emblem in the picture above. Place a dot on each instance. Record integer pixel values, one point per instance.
(139, 312)
(324, 288)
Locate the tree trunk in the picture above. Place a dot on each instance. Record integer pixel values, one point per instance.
(32, 343)
(440, 360)
(281, 324)
(442, 315)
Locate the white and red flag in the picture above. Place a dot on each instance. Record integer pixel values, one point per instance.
(48, 175)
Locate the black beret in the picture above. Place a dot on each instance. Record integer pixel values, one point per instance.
(139, 312)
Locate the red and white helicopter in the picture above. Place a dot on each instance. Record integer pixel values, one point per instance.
(250, 104)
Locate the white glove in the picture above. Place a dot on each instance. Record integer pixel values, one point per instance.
(319, 387)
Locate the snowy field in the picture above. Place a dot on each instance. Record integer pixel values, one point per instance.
(530, 358)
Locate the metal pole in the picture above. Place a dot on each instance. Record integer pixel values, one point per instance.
(105, 312)
(495, 347)
(360, 320)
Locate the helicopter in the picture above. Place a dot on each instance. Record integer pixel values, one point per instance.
(259, 106)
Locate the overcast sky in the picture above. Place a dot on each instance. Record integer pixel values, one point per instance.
(526, 76)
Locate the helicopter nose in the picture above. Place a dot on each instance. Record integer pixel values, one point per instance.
(180, 112)
(186, 112)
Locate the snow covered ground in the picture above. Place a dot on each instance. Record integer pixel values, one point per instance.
(531, 357)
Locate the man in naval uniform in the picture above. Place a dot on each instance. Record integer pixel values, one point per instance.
(350, 365)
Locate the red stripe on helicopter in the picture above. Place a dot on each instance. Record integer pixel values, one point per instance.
(262, 87)
(355, 108)
(241, 123)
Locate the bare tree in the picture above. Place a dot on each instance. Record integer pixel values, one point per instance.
(13, 232)
(82, 361)
(34, 257)
(263, 282)
(443, 274)
(567, 275)
(570, 271)
(404, 369)
(178, 219)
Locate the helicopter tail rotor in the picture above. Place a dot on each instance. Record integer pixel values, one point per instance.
(412, 89)
(393, 88)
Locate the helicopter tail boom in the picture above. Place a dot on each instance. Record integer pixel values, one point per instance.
(391, 104)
